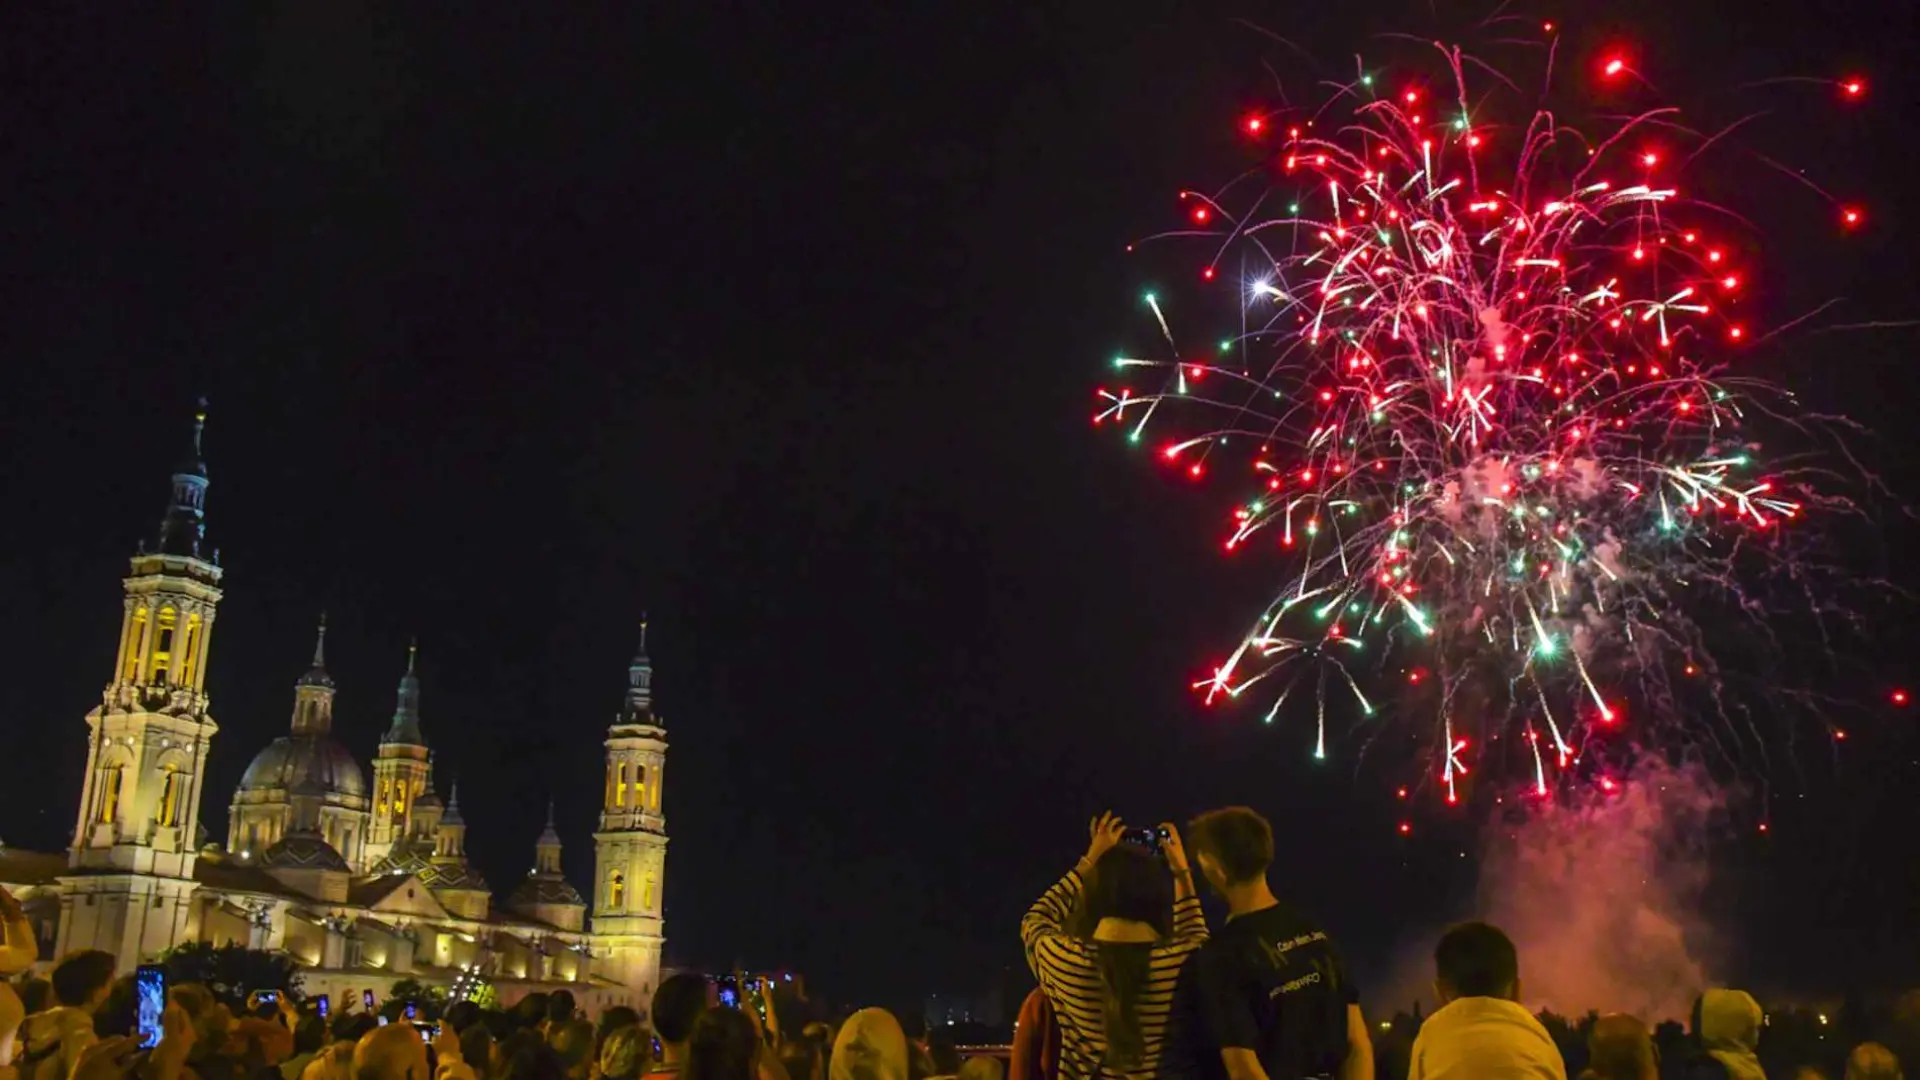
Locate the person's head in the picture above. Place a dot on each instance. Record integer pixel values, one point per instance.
(531, 1011)
(351, 1029)
(1130, 883)
(119, 1013)
(476, 1047)
(944, 1051)
(1232, 846)
(982, 1067)
(309, 1035)
(723, 1046)
(1727, 1020)
(613, 1018)
(1871, 1061)
(560, 1007)
(334, 1062)
(870, 1046)
(36, 994)
(461, 1015)
(572, 1042)
(625, 1051)
(804, 1058)
(526, 1056)
(81, 979)
(1621, 1048)
(1475, 960)
(394, 1052)
(676, 1005)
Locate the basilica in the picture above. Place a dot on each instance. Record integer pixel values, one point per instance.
(364, 883)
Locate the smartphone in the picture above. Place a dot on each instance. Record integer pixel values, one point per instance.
(1153, 838)
(755, 990)
(150, 990)
(428, 1032)
(366, 999)
(382, 1022)
(323, 1004)
(728, 990)
(410, 1011)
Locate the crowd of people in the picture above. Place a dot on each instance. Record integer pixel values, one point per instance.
(1133, 984)
(81, 1023)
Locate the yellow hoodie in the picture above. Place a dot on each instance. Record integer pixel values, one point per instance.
(1484, 1038)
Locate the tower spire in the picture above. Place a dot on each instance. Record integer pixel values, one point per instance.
(313, 694)
(317, 674)
(184, 527)
(406, 713)
(639, 705)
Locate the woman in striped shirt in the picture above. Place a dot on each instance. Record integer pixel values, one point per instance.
(1113, 991)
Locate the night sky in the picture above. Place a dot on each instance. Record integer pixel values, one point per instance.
(519, 321)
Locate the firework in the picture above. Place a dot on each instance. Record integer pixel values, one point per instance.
(1483, 391)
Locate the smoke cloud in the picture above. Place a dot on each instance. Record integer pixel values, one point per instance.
(1601, 895)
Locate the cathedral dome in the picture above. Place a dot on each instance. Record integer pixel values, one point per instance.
(407, 857)
(291, 759)
(540, 889)
(303, 849)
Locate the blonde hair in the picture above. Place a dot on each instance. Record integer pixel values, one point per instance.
(1871, 1061)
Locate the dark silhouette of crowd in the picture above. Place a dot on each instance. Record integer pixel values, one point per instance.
(1134, 985)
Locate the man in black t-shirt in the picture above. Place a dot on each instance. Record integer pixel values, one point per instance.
(1268, 998)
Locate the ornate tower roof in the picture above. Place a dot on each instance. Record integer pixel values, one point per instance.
(549, 836)
(639, 704)
(184, 527)
(317, 674)
(544, 886)
(452, 816)
(406, 713)
(313, 693)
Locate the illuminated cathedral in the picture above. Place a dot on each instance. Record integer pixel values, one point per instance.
(364, 884)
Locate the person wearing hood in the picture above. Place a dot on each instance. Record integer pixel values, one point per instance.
(871, 1046)
(1727, 1023)
(1481, 1031)
(50, 1042)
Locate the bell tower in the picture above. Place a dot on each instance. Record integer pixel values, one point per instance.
(400, 769)
(630, 847)
(134, 839)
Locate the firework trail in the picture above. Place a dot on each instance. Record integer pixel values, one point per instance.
(1484, 394)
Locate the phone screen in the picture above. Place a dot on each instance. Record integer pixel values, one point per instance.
(410, 1012)
(150, 988)
(269, 995)
(366, 999)
(323, 1005)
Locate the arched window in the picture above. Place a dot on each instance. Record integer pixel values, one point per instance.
(137, 632)
(163, 625)
(616, 889)
(620, 787)
(640, 786)
(110, 794)
(646, 892)
(190, 650)
(171, 783)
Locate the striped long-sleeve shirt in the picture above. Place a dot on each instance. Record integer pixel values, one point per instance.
(1069, 971)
